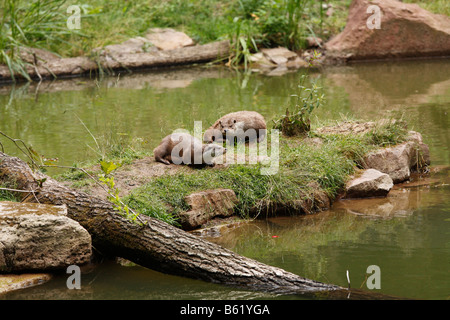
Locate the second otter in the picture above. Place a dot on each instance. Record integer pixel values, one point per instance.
(241, 125)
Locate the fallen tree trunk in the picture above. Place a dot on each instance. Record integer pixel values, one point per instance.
(158, 245)
(180, 56)
(70, 67)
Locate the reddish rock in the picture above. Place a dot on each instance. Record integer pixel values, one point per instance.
(406, 30)
(206, 205)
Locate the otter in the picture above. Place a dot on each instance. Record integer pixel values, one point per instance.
(242, 125)
(182, 148)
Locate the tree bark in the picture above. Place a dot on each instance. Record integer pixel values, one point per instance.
(158, 245)
(77, 66)
(182, 56)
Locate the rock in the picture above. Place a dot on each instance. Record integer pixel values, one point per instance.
(371, 183)
(168, 39)
(399, 160)
(130, 46)
(314, 200)
(406, 30)
(38, 237)
(11, 282)
(206, 205)
(261, 60)
(277, 61)
(157, 39)
(349, 127)
(279, 56)
(310, 200)
(219, 227)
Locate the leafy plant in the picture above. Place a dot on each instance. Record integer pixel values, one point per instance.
(298, 121)
(7, 195)
(243, 43)
(113, 192)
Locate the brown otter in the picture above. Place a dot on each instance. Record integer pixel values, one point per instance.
(182, 148)
(242, 125)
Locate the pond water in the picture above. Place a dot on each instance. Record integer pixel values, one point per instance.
(406, 235)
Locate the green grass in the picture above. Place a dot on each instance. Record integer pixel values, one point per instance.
(6, 195)
(435, 6)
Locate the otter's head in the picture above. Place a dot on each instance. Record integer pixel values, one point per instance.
(230, 126)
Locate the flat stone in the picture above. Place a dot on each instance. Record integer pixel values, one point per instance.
(168, 39)
(279, 56)
(371, 183)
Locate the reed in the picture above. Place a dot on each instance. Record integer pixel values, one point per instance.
(37, 24)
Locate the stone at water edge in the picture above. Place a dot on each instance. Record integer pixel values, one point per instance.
(372, 183)
(206, 205)
(39, 237)
(398, 161)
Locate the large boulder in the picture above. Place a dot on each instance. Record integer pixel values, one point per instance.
(205, 205)
(371, 183)
(406, 30)
(398, 161)
(38, 237)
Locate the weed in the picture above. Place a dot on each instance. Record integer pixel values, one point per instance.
(113, 193)
(298, 121)
(40, 24)
(7, 195)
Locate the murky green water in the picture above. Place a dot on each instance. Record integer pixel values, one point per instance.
(406, 235)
